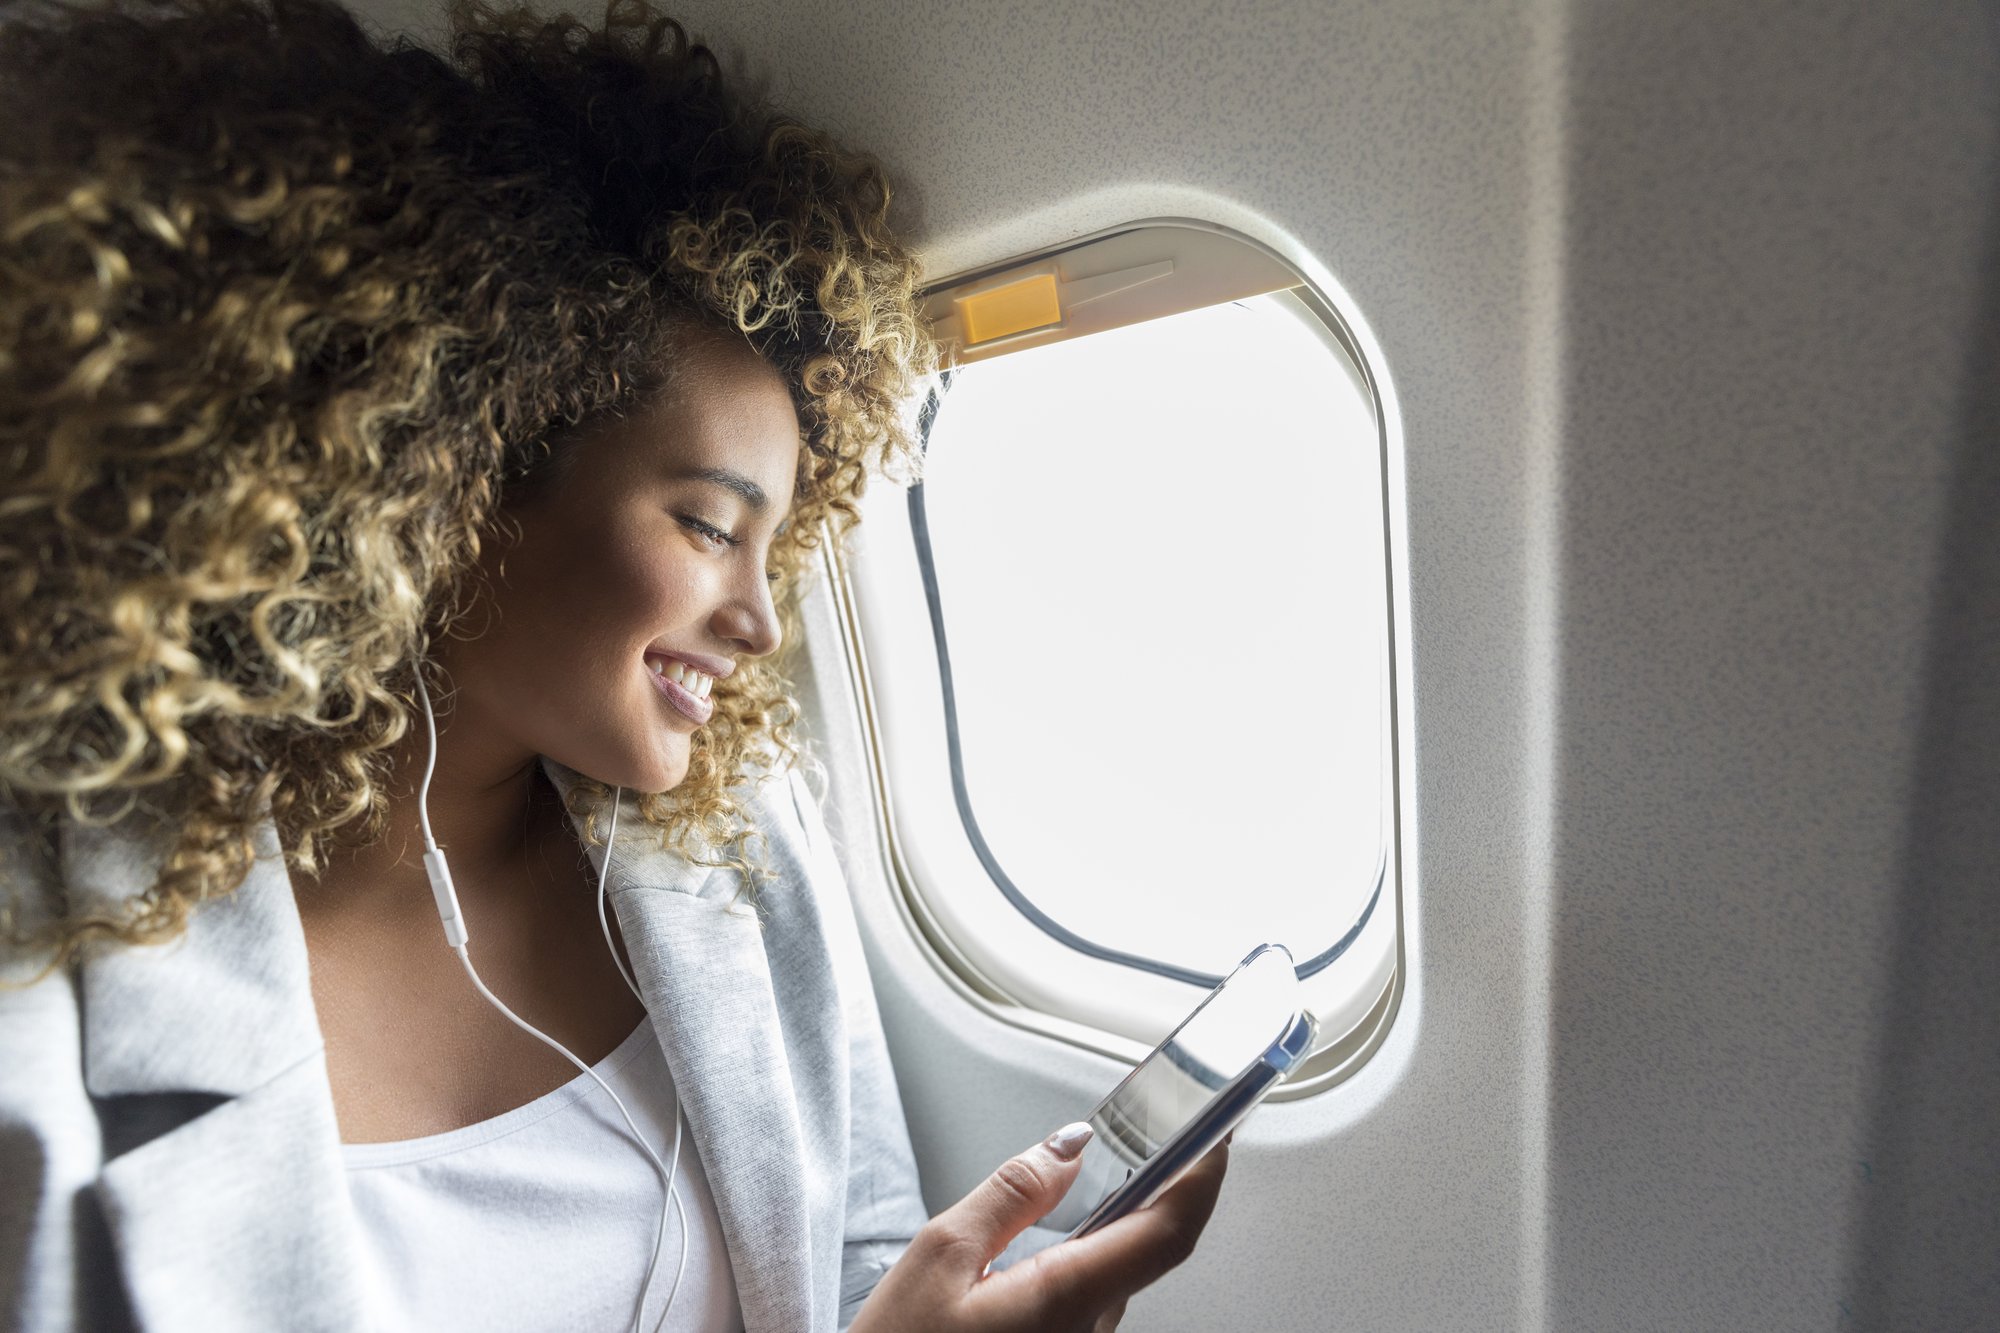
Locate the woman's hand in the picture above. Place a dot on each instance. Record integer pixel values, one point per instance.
(940, 1285)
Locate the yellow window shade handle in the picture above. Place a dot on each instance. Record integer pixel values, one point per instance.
(1016, 307)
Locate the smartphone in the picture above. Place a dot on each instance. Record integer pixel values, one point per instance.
(1197, 1085)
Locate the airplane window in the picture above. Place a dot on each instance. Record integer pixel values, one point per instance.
(1156, 554)
(1124, 653)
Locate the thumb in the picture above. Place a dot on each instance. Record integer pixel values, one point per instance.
(1021, 1190)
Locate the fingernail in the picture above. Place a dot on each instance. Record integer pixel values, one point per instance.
(1068, 1141)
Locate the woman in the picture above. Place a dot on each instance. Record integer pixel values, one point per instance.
(337, 382)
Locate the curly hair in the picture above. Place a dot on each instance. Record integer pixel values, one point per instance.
(287, 315)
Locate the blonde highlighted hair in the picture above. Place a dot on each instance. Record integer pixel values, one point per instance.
(286, 315)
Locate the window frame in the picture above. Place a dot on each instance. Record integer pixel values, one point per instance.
(989, 973)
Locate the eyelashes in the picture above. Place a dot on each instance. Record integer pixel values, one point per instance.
(717, 537)
(707, 530)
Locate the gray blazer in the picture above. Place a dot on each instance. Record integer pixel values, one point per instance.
(168, 1152)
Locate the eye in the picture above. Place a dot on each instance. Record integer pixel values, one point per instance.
(707, 531)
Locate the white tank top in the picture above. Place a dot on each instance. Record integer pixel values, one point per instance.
(543, 1218)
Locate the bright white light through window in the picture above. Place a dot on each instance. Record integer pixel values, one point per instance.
(1159, 553)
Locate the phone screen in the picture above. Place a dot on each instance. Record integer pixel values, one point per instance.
(1239, 1041)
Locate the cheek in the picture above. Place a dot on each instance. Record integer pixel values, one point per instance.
(622, 579)
(585, 596)
(660, 590)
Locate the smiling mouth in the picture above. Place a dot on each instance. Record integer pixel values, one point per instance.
(683, 687)
(683, 675)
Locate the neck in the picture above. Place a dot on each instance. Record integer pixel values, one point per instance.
(490, 810)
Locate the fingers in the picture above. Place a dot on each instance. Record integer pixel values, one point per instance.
(1108, 1321)
(976, 1228)
(1135, 1251)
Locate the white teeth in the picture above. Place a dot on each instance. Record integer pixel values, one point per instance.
(694, 682)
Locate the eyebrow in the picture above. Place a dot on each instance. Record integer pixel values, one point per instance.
(753, 494)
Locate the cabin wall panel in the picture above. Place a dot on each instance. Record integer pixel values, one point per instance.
(1775, 221)
(1926, 1255)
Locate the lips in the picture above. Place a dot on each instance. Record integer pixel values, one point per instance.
(688, 694)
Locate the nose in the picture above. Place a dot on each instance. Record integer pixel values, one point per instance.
(747, 618)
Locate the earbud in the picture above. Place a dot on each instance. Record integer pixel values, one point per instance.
(445, 894)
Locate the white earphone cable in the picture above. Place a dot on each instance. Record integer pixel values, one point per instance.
(446, 896)
(674, 1161)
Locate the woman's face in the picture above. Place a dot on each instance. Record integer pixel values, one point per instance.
(645, 561)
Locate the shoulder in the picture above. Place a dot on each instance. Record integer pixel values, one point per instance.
(790, 850)
(784, 812)
(32, 901)
(805, 891)
(51, 1147)
(41, 1035)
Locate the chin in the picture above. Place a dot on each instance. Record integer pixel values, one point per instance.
(669, 772)
(679, 776)
(639, 775)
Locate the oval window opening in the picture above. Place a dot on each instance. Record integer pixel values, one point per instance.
(1156, 556)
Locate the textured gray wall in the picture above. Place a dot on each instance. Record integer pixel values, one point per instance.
(1926, 1254)
(1772, 273)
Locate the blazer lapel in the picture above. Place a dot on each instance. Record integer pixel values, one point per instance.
(223, 1188)
(702, 969)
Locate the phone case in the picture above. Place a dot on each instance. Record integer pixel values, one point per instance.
(1223, 1112)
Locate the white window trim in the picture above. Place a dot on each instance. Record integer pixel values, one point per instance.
(994, 956)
